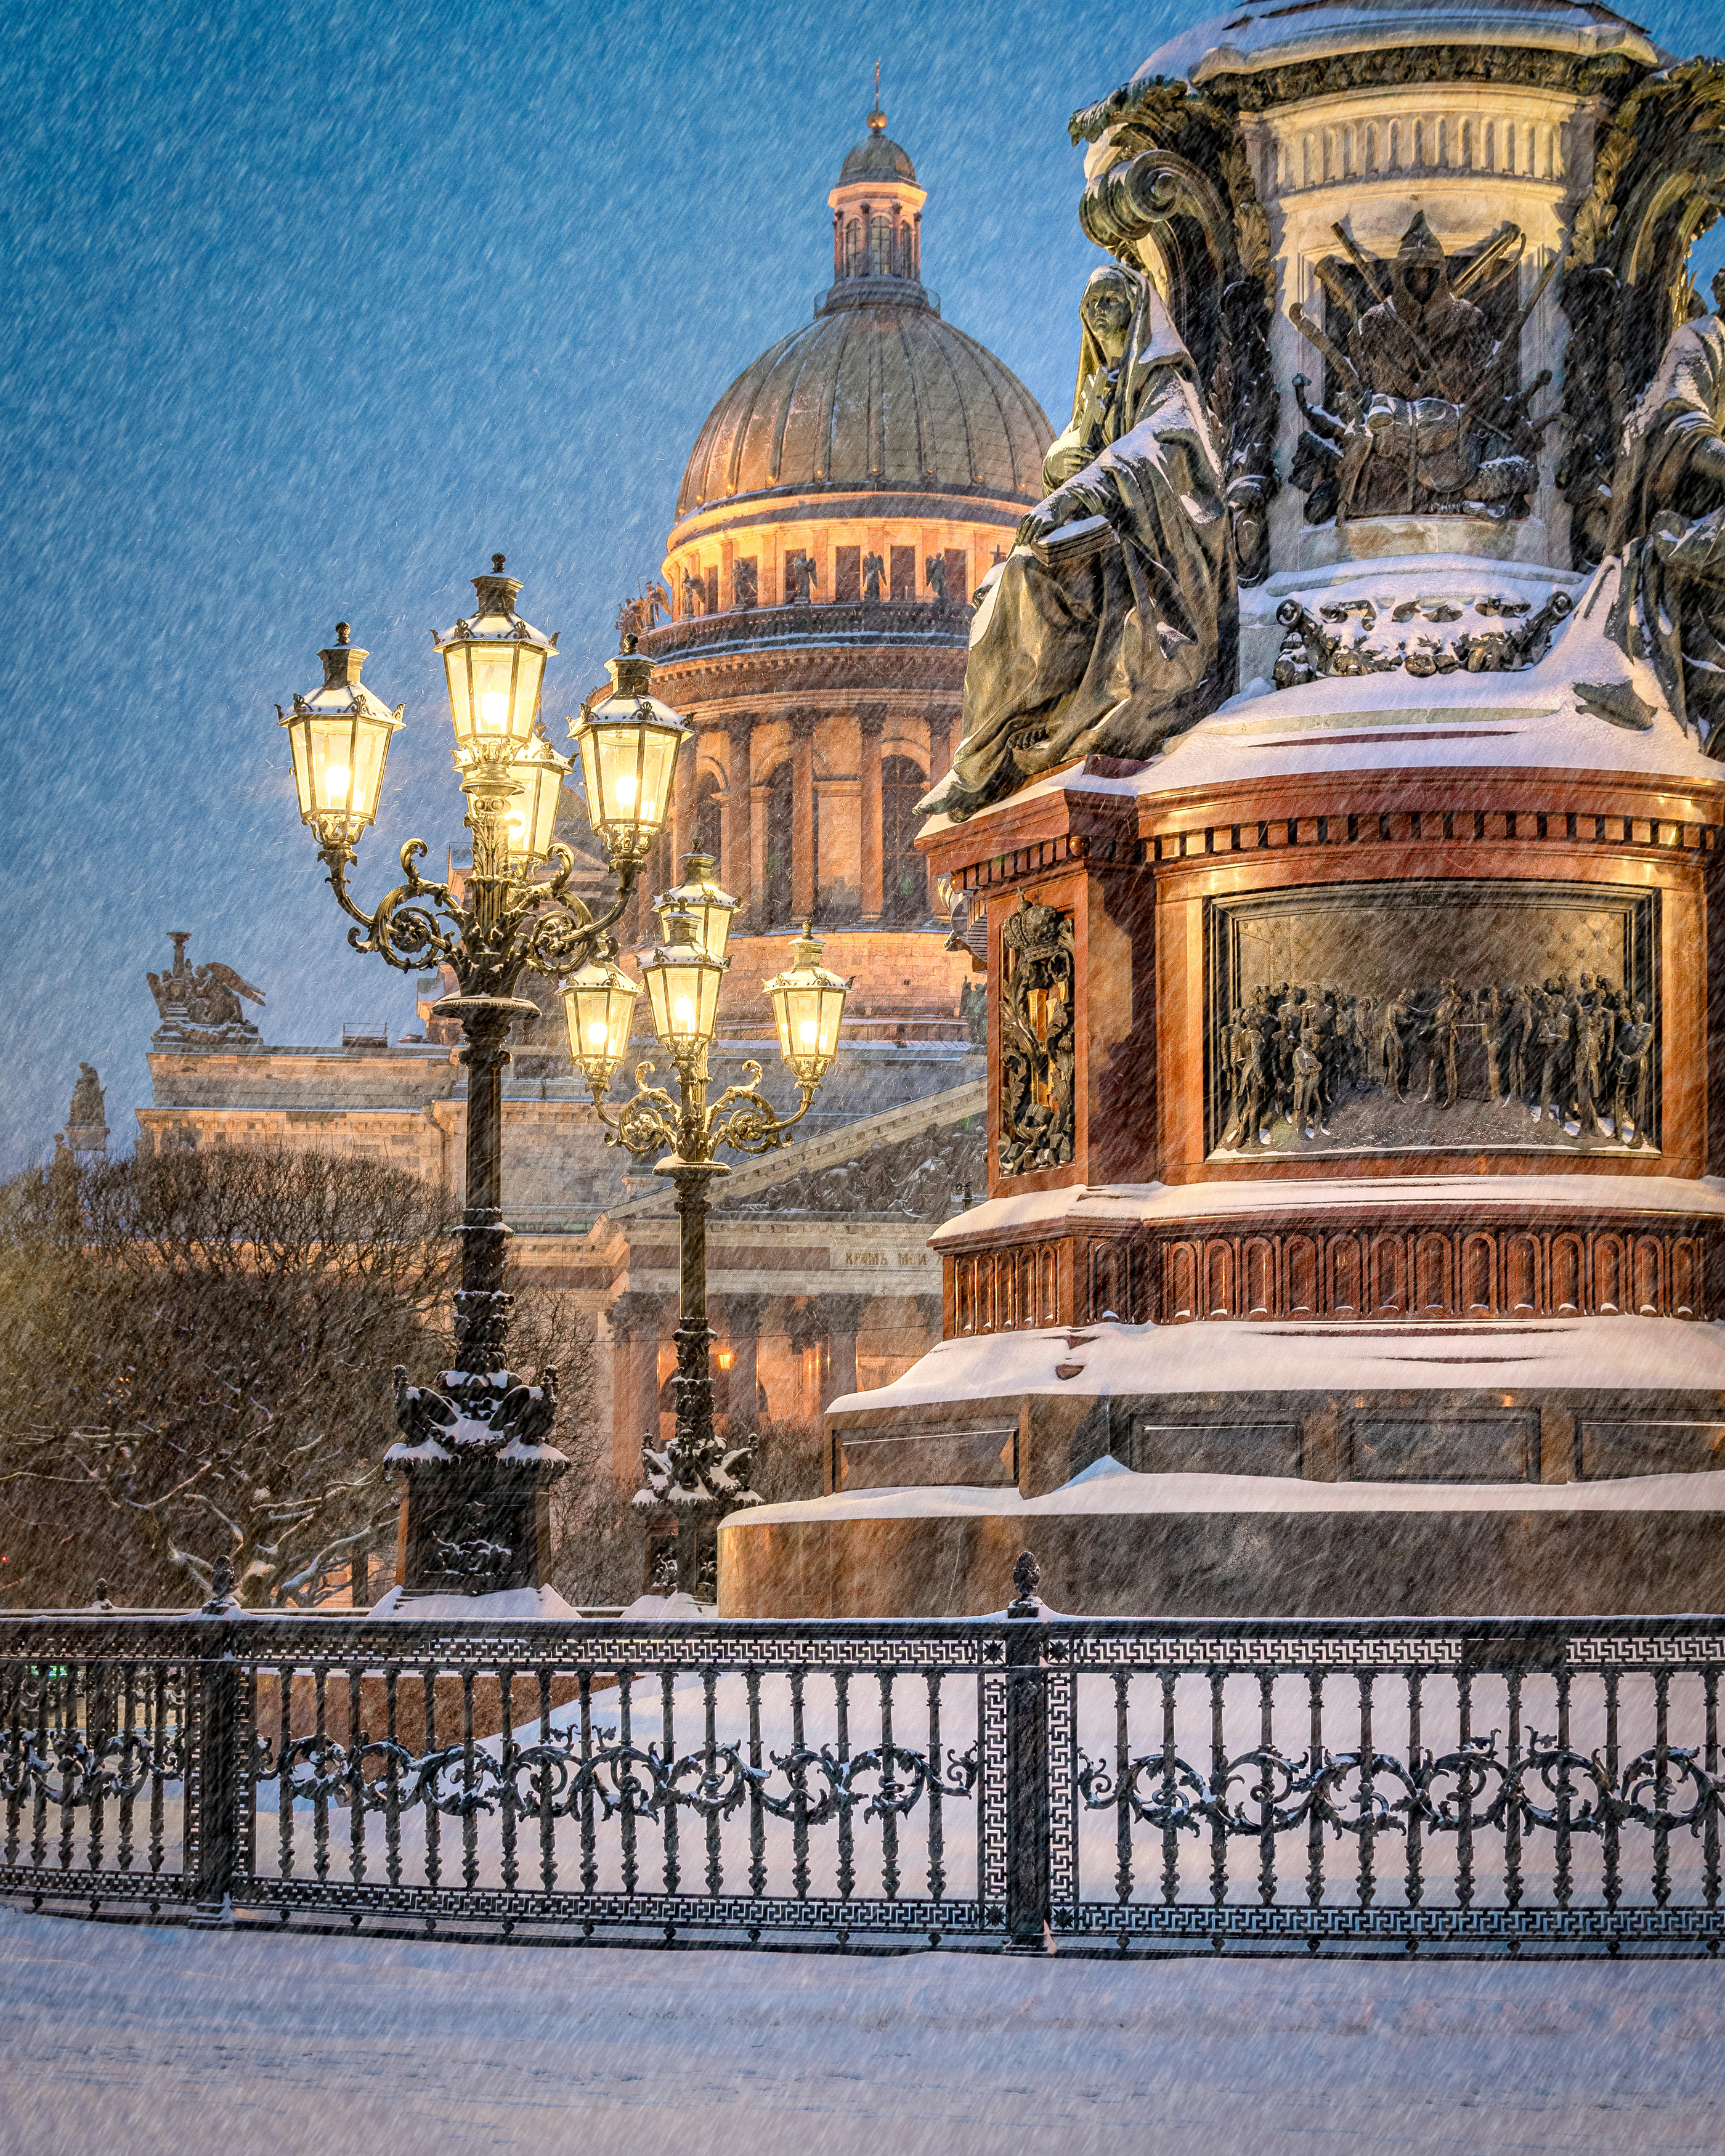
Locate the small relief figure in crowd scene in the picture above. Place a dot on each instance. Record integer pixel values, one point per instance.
(1113, 624)
(1557, 1052)
(1308, 1072)
(1445, 1025)
(874, 574)
(635, 616)
(1629, 1070)
(1668, 525)
(1423, 414)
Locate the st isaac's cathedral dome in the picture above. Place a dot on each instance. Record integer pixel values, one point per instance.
(877, 391)
(845, 498)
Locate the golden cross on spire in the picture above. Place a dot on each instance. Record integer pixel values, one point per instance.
(877, 118)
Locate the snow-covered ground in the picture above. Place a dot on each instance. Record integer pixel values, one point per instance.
(158, 2042)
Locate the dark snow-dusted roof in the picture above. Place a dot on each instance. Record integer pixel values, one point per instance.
(877, 157)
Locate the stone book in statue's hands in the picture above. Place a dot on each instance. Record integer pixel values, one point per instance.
(1072, 544)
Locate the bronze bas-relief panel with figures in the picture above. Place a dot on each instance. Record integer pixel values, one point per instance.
(1430, 1016)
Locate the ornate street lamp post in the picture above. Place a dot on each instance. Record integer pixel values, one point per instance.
(695, 1477)
(475, 1468)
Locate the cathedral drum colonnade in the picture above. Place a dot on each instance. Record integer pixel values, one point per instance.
(1339, 780)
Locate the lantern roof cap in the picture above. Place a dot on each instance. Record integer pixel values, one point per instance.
(630, 692)
(494, 619)
(342, 694)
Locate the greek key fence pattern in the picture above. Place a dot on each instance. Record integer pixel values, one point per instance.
(1469, 1786)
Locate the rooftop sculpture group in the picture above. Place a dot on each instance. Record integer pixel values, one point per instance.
(200, 1006)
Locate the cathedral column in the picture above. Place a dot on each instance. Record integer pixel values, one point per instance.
(843, 1315)
(869, 809)
(637, 1322)
(940, 763)
(805, 896)
(742, 1338)
(682, 825)
(736, 867)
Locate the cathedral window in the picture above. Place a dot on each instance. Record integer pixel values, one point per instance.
(847, 573)
(958, 575)
(879, 248)
(904, 879)
(854, 248)
(904, 572)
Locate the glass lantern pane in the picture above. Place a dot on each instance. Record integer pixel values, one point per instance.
(587, 746)
(529, 673)
(332, 765)
(709, 1001)
(832, 1013)
(460, 680)
(659, 757)
(493, 682)
(518, 828)
(302, 771)
(659, 1001)
(371, 746)
(715, 930)
(549, 787)
(782, 1012)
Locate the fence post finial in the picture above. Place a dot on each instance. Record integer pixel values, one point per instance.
(1026, 1578)
(222, 1597)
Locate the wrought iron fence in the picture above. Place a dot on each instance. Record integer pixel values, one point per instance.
(1464, 1784)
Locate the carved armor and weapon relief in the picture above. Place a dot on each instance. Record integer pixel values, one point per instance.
(1037, 1040)
(1427, 1018)
(1422, 413)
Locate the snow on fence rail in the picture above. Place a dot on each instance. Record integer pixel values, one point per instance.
(1462, 1784)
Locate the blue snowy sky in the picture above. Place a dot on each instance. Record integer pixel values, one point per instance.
(311, 305)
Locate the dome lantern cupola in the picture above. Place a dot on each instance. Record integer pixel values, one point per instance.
(877, 210)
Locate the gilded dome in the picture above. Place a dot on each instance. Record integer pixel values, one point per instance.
(877, 394)
(880, 395)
